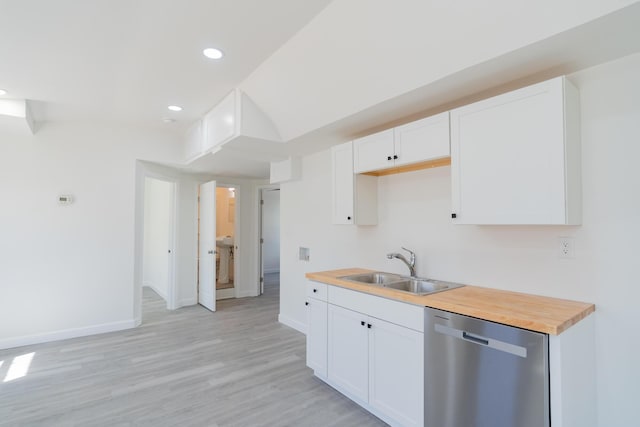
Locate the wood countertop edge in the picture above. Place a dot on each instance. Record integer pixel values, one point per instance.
(468, 300)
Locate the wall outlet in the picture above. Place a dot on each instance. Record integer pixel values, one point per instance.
(566, 248)
(304, 254)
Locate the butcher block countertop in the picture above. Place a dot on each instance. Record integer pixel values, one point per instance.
(537, 313)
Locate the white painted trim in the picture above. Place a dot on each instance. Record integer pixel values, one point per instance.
(257, 197)
(68, 333)
(292, 323)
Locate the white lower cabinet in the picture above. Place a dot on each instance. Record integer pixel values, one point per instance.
(377, 363)
(396, 372)
(317, 336)
(348, 351)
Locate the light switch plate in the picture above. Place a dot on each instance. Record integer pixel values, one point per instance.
(304, 254)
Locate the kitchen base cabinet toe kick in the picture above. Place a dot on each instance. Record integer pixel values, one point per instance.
(413, 365)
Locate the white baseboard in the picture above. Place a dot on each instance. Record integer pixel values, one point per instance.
(67, 333)
(292, 323)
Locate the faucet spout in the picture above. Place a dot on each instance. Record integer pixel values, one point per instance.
(411, 263)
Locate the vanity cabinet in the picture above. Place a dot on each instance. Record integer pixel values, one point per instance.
(420, 141)
(354, 197)
(375, 351)
(515, 158)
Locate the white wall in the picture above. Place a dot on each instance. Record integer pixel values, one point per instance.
(69, 270)
(246, 282)
(414, 211)
(360, 53)
(158, 218)
(271, 230)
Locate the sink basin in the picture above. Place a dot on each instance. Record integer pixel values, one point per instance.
(374, 278)
(419, 286)
(412, 285)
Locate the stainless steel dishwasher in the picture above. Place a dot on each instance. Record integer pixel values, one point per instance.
(484, 374)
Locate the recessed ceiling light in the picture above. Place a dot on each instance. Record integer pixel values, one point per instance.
(3, 92)
(168, 120)
(213, 53)
(174, 108)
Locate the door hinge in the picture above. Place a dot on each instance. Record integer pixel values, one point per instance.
(261, 240)
(261, 279)
(262, 202)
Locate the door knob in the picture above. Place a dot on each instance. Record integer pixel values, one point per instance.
(210, 252)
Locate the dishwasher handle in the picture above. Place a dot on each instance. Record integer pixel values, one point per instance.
(476, 340)
(495, 344)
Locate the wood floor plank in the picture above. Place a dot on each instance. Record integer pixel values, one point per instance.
(189, 367)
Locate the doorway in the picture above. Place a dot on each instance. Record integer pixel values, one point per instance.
(217, 243)
(158, 239)
(269, 238)
(225, 241)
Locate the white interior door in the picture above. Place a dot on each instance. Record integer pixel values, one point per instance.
(207, 242)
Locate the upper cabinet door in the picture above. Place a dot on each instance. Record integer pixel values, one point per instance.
(422, 140)
(194, 140)
(220, 123)
(343, 211)
(515, 158)
(373, 152)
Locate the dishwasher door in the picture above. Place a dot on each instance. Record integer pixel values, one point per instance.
(484, 374)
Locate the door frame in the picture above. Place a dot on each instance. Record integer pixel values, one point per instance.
(143, 172)
(258, 197)
(237, 229)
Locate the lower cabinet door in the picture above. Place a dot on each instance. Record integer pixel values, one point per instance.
(317, 336)
(396, 372)
(348, 351)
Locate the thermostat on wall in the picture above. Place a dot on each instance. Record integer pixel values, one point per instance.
(65, 199)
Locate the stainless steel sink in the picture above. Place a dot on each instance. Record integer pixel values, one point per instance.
(377, 278)
(412, 285)
(419, 286)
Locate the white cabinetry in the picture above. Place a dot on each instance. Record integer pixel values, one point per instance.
(515, 158)
(348, 351)
(396, 372)
(354, 197)
(317, 328)
(220, 123)
(415, 142)
(194, 139)
(378, 363)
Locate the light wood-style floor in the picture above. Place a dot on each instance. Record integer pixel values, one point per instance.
(189, 367)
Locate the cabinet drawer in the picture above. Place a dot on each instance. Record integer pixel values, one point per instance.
(317, 290)
(400, 313)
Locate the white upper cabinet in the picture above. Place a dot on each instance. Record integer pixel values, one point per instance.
(193, 141)
(422, 140)
(515, 158)
(373, 152)
(354, 197)
(238, 125)
(220, 122)
(415, 142)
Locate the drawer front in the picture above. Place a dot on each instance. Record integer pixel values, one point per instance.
(400, 313)
(317, 290)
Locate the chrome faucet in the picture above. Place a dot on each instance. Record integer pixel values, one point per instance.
(411, 263)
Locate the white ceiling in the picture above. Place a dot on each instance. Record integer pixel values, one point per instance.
(127, 60)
